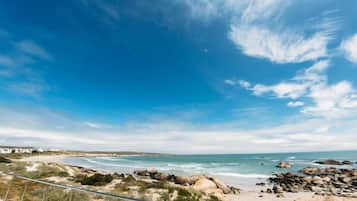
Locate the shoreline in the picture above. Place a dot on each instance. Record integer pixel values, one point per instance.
(247, 193)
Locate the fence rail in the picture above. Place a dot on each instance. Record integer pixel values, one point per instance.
(68, 187)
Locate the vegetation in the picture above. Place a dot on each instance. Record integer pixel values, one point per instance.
(4, 160)
(166, 191)
(97, 180)
(126, 184)
(43, 171)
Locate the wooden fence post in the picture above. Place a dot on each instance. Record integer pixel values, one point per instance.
(8, 190)
(24, 192)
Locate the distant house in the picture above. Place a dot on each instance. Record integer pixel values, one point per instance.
(13, 149)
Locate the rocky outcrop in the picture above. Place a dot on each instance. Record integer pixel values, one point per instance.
(347, 162)
(334, 162)
(221, 185)
(284, 164)
(205, 184)
(329, 162)
(331, 181)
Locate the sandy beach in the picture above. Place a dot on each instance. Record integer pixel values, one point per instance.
(46, 158)
(246, 193)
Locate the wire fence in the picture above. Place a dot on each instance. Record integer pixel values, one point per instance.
(48, 191)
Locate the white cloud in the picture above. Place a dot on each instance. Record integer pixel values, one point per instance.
(33, 49)
(6, 61)
(106, 11)
(332, 100)
(30, 88)
(281, 90)
(244, 84)
(21, 65)
(230, 82)
(324, 100)
(45, 128)
(259, 32)
(207, 10)
(349, 48)
(257, 9)
(295, 104)
(278, 46)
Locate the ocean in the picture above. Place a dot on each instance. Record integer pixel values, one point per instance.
(234, 169)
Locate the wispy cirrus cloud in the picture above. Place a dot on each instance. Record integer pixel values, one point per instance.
(33, 49)
(284, 46)
(20, 68)
(106, 11)
(260, 33)
(258, 30)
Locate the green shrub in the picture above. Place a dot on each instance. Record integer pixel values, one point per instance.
(97, 180)
(4, 160)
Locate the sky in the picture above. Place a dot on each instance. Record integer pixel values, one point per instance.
(180, 76)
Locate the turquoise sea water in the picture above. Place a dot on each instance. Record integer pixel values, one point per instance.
(233, 168)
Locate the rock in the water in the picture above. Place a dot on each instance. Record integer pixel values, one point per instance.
(329, 162)
(347, 162)
(204, 184)
(284, 164)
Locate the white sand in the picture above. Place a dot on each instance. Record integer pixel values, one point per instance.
(46, 158)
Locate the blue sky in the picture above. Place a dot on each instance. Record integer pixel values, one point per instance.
(185, 76)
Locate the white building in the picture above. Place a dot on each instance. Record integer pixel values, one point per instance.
(12, 149)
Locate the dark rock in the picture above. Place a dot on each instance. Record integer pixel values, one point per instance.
(354, 182)
(329, 162)
(310, 170)
(284, 165)
(321, 181)
(277, 189)
(347, 162)
(234, 190)
(260, 184)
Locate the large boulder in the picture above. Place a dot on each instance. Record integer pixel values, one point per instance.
(153, 174)
(311, 170)
(184, 180)
(221, 185)
(317, 180)
(277, 189)
(203, 184)
(284, 164)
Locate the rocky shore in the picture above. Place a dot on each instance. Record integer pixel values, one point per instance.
(332, 183)
(202, 183)
(322, 181)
